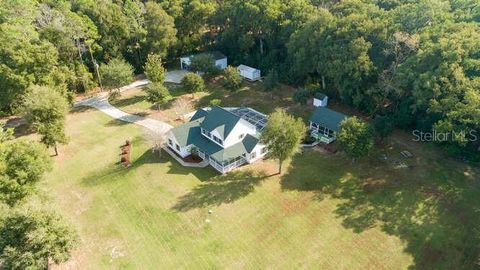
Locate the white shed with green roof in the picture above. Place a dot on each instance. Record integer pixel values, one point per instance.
(325, 124)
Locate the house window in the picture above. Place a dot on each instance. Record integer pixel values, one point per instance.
(264, 150)
(218, 140)
(253, 154)
(314, 125)
(170, 142)
(241, 136)
(177, 147)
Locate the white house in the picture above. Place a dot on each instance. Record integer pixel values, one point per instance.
(320, 100)
(249, 73)
(220, 60)
(226, 138)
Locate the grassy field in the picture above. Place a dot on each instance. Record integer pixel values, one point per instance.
(251, 94)
(323, 213)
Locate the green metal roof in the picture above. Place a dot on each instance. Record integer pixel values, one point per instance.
(199, 114)
(190, 134)
(186, 133)
(320, 95)
(249, 142)
(220, 120)
(327, 118)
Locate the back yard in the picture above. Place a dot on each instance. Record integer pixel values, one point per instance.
(323, 213)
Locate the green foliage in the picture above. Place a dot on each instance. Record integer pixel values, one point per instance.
(157, 94)
(215, 102)
(161, 32)
(271, 80)
(154, 69)
(355, 137)
(30, 237)
(383, 126)
(6, 134)
(302, 95)
(45, 110)
(204, 63)
(22, 164)
(116, 73)
(193, 83)
(283, 135)
(232, 78)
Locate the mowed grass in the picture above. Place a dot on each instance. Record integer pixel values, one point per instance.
(155, 214)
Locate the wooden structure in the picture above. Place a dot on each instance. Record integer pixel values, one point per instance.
(125, 159)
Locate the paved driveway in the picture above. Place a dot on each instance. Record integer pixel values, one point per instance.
(101, 103)
(175, 76)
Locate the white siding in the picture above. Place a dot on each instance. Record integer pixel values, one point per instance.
(320, 102)
(183, 152)
(242, 127)
(221, 63)
(258, 153)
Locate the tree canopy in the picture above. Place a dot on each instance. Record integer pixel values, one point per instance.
(282, 135)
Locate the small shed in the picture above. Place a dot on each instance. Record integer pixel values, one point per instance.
(325, 124)
(220, 60)
(320, 100)
(249, 73)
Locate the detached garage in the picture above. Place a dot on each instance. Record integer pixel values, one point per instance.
(219, 58)
(249, 73)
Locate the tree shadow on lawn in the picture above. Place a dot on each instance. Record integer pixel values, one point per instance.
(120, 103)
(220, 189)
(436, 215)
(113, 171)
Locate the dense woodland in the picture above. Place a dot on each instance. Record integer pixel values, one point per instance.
(415, 62)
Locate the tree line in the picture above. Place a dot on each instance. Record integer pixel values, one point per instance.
(415, 63)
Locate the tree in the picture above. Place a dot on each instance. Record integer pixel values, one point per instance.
(355, 137)
(232, 78)
(6, 134)
(383, 126)
(204, 62)
(193, 83)
(29, 238)
(181, 107)
(116, 73)
(154, 69)
(161, 32)
(156, 140)
(45, 110)
(282, 135)
(22, 165)
(157, 94)
(271, 80)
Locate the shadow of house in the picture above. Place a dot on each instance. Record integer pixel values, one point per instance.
(436, 217)
(220, 190)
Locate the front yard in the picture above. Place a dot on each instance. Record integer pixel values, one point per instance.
(323, 213)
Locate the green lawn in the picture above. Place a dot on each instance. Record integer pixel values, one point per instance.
(323, 213)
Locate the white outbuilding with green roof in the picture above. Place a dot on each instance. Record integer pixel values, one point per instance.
(325, 124)
(226, 138)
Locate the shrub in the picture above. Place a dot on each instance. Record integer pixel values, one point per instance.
(116, 73)
(232, 78)
(301, 96)
(215, 102)
(154, 69)
(193, 83)
(157, 94)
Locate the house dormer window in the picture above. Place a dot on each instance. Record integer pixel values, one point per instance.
(217, 140)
